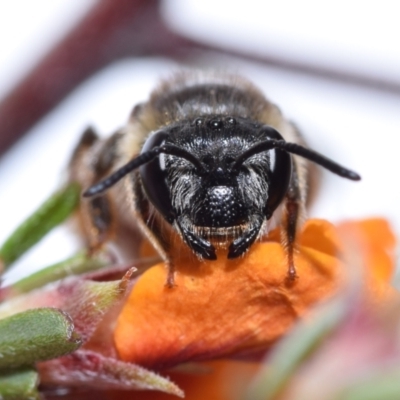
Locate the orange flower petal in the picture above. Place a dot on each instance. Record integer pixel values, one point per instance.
(236, 307)
(225, 307)
(371, 244)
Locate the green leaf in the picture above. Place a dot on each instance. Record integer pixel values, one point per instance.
(90, 301)
(382, 384)
(288, 355)
(78, 264)
(36, 335)
(50, 214)
(19, 384)
(85, 301)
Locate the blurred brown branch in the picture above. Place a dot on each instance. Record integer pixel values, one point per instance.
(110, 31)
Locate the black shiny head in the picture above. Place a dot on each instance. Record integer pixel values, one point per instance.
(218, 196)
(217, 179)
(223, 196)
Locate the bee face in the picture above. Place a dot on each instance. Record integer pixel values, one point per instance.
(216, 162)
(220, 201)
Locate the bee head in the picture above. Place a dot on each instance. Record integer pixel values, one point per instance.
(217, 179)
(221, 189)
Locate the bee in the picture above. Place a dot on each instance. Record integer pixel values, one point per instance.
(207, 162)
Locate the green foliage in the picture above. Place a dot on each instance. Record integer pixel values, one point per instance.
(75, 265)
(20, 384)
(52, 213)
(36, 335)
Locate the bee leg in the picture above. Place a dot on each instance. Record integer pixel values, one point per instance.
(291, 217)
(170, 283)
(98, 220)
(91, 160)
(152, 229)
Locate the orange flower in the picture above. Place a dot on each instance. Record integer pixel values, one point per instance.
(239, 308)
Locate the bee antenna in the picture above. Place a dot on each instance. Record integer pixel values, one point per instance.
(301, 151)
(140, 160)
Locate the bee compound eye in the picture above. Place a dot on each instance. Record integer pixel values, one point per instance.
(153, 176)
(279, 179)
(280, 173)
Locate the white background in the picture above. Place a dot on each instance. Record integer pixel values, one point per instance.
(355, 126)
